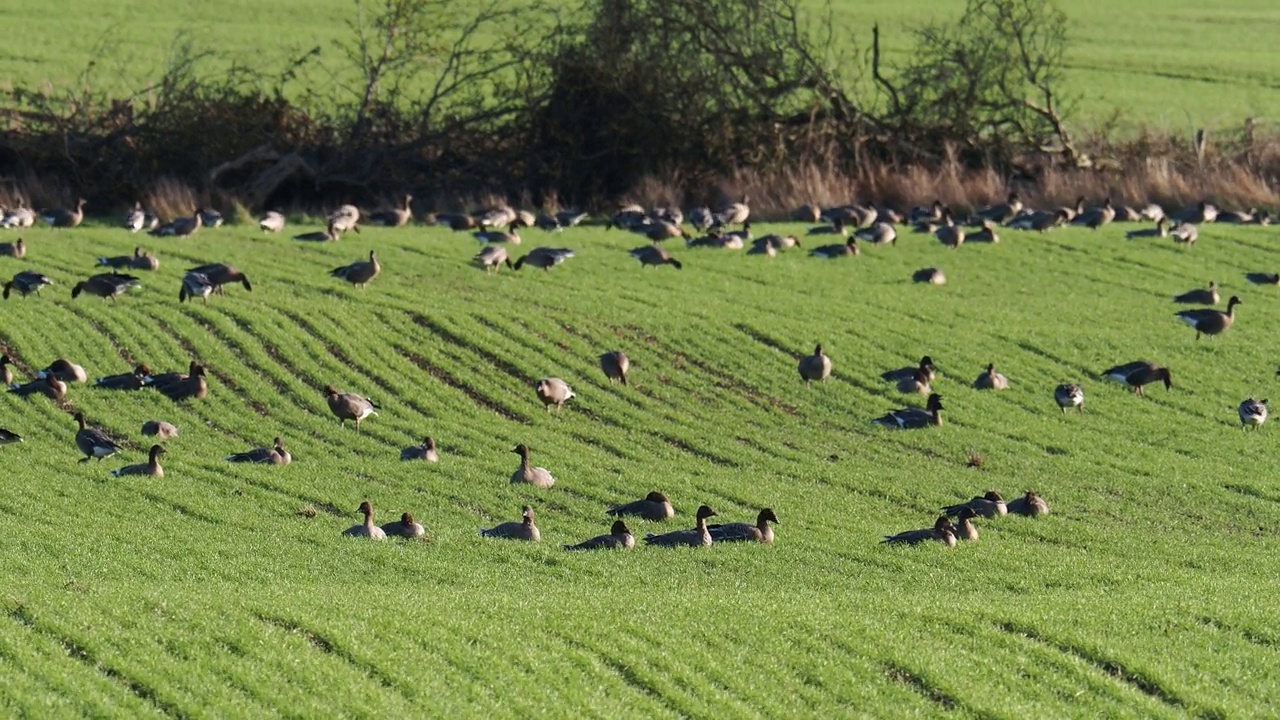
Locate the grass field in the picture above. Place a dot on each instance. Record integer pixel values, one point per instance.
(1177, 65)
(1145, 593)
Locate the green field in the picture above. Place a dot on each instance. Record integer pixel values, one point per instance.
(1146, 593)
(1177, 65)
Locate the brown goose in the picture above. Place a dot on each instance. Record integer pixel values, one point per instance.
(1161, 230)
(159, 380)
(1200, 296)
(1137, 374)
(655, 255)
(523, 530)
(425, 452)
(991, 380)
(1253, 413)
(740, 532)
(914, 418)
(815, 367)
(491, 257)
(137, 261)
(619, 538)
(615, 365)
(134, 380)
(26, 282)
(917, 384)
(66, 371)
(457, 222)
(1100, 216)
(943, 531)
(395, 217)
(654, 506)
(150, 468)
(1030, 504)
(349, 406)
(932, 276)
(1069, 395)
(64, 218)
(366, 529)
(194, 386)
(329, 234)
(181, 227)
(699, 536)
(6, 375)
(221, 274)
(49, 386)
(346, 217)
(406, 527)
(832, 252)
(105, 285)
(1003, 213)
(1208, 321)
(926, 367)
(16, 249)
(92, 442)
(359, 273)
(950, 234)
(274, 455)
(538, 477)
(990, 505)
(965, 529)
(545, 258)
(554, 392)
(159, 429)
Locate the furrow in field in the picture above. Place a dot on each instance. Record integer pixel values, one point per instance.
(330, 647)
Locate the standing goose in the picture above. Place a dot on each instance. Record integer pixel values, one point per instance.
(925, 366)
(150, 468)
(349, 406)
(1253, 413)
(92, 442)
(734, 213)
(742, 532)
(619, 538)
(1137, 374)
(16, 249)
(136, 379)
(1185, 234)
(990, 505)
(699, 536)
(366, 529)
(1069, 395)
(8, 437)
(491, 257)
(615, 365)
(943, 531)
(1208, 321)
(914, 418)
(831, 252)
(965, 529)
(359, 273)
(194, 386)
(1200, 296)
(105, 285)
(523, 530)
(346, 217)
(554, 391)
(221, 274)
(655, 255)
(272, 221)
(330, 234)
(545, 258)
(425, 452)
(65, 370)
(181, 227)
(701, 218)
(917, 384)
(159, 429)
(395, 217)
(991, 380)
(538, 477)
(654, 506)
(932, 276)
(195, 285)
(26, 282)
(815, 367)
(64, 218)
(406, 527)
(274, 455)
(1030, 504)
(49, 386)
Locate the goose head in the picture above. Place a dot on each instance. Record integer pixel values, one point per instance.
(705, 511)
(658, 497)
(619, 528)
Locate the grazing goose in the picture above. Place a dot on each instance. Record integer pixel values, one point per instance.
(64, 218)
(918, 383)
(406, 527)
(614, 365)
(274, 455)
(395, 217)
(965, 529)
(545, 258)
(943, 531)
(349, 406)
(193, 386)
(106, 285)
(137, 261)
(713, 239)
(65, 370)
(628, 217)
(932, 276)
(49, 386)
(950, 234)
(26, 282)
(1208, 321)
(1161, 230)
(991, 380)
(136, 379)
(699, 536)
(8, 437)
(181, 227)
(346, 217)
(271, 221)
(159, 429)
(19, 217)
(6, 374)
(881, 233)
(734, 213)
(660, 231)
(1069, 395)
(815, 367)
(1200, 296)
(16, 249)
(150, 468)
(913, 418)
(925, 366)
(365, 529)
(359, 273)
(538, 477)
(831, 252)
(987, 234)
(1030, 504)
(497, 236)
(221, 274)
(425, 452)
(1003, 213)
(547, 223)
(329, 234)
(554, 391)
(654, 506)
(92, 442)
(491, 257)
(195, 285)
(655, 255)
(990, 505)
(1253, 413)
(1185, 234)
(619, 538)
(741, 532)
(523, 530)
(1137, 374)
(807, 213)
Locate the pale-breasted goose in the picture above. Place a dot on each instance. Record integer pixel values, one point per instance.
(917, 384)
(655, 255)
(425, 452)
(105, 285)
(1042, 221)
(1161, 230)
(151, 468)
(359, 273)
(807, 213)
(159, 380)
(734, 213)
(1030, 505)
(1184, 234)
(615, 365)
(1208, 321)
(210, 218)
(1200, 296)
(16, 249)
(925, 366)
(133, 380)
(221, 275)
(538, 477)
(746, 532)
(63, 217)
(699, 536)
(19, 217)
(950, 234)
(1002, 213)
(619, 538)
(195, 285)
(346, 217)
(932, 276)
(49, 386)
(654, 506)
(65, 370)
(1099, 216)
(545, 258)
(991, 380)
(277, 454)
(159, 429)
(92, 442)
(660, 230)
(571, 218)
(395, 217)
(194, 386)
(139, 260)
(1202, 212)
(271, 221)
(925, 214)
(1253, 413)
(1069, 395)
(366, 529)
(406, 527)
(349, 406)
(1137, 374)
(965, 529)
(701, 218)
(881, 233)
(990, 505)
(1152, 212)
(497, 217)
(491, 257)
(987, 234)
(554, 392)
(914, 418)
(523, 530)
(26, 282)
(943, 531)
(181, 227)
(832, 252)
(772, 244)
(815, 367)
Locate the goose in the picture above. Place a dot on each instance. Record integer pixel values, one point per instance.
(107, 286)
(671, 214)
(1253, 413)
(92, 442)
(349, 406)
(524, 219)
(159, 380)
(497, 236)
(1202, 212)
(1252, 216)
(65, 370)
(1030, 504)
(619, 538)
(772, 244)
(990, 504)
(63, 217)
(346, 217)
(701, 218)
(274, 455)
(210, 218)
(1152, 212)
(1002, 213)
(734, 213)
(859, 216)
(881, 233)
(1161, 230)
(1137, 374)
(1128, 213)
(918, 383)
(1184, 234)
(1071, 213)
(9, 437)
(425, 452)
(366, 529)
(950, 234)
(991, 380)
(538, 477)
(571, 218)
(807, 213)
(554, 391)
(359, 273)
(195, 285)
(1208, 321)
(699, 536)
(654, 506)
(1042, 221)
(16, 249)
(271, 221)
(545, 258)
(713, 239)
(815, 367)
(932, 276)
(26, 282)
(614, 365)
(160, 429)
(913, 418)
(737, 239)
(20, 217)
(523, 530)
(181, 227)
(631, 216)
(6, 375)
(831, 252)
(1069, 395)
(921, 214)
(1201, 296)
(660, 231)
(655, 255)
(965, 529)
(548, 223)
(406, 527)
(925, 366)
(135, 379)
(49, 386)
(1097, 217)
(395, 217)
(329, 234)
(491, 257)
(150, 468)
(740, 532)
(139, 260)
(943, 531)
(193, 386)
(836, 228)
(457, 222)
(987, 234)
(497, 217)
(221, 274)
